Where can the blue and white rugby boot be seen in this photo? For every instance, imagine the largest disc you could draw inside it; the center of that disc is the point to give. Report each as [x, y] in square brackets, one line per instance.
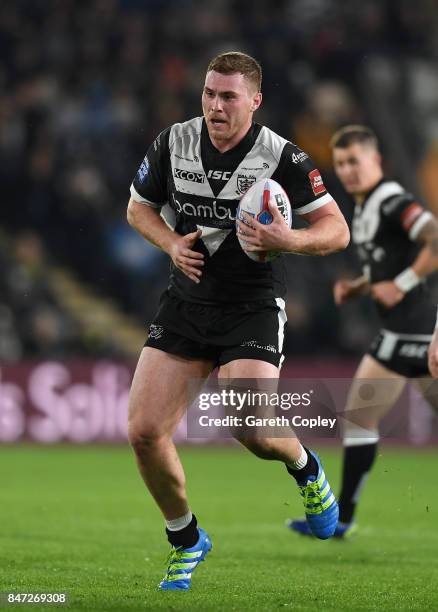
[343, 531]
[320, 505]
[181, 562]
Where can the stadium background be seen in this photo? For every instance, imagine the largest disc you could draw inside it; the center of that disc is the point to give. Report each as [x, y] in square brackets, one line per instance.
[84, 88]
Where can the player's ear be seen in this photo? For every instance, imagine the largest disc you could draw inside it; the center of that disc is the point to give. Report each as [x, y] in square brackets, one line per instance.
[256, 101]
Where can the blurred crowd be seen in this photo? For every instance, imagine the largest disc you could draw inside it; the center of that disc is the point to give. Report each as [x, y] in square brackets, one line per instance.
[85, 86]
[34, 322]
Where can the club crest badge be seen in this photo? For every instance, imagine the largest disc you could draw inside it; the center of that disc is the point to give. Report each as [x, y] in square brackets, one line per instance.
[244, 182]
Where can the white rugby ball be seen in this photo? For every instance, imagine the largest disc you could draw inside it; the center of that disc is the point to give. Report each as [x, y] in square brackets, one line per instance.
[255, 203]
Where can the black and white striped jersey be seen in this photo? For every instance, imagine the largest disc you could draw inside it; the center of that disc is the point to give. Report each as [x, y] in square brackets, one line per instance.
[385, 228]
[196, 186]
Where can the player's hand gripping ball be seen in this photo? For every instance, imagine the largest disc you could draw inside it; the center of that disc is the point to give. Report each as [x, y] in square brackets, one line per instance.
[255, 203]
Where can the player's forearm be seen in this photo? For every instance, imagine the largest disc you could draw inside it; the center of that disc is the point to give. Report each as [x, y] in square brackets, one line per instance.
[148, 222]
[327, 235]
[361, 284]
[427, 259]
[426, 262]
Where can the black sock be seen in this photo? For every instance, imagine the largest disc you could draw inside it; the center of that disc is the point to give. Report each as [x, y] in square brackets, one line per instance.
[186, 537]
[358, 461]
[310, 469]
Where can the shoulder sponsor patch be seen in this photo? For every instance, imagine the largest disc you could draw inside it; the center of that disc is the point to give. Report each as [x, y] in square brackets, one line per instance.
[316, 182]
[410, 215]
[299, 157]
[143, 171]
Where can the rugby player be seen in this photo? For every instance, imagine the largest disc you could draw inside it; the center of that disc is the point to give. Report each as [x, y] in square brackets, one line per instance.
[397, 244]
[221, 309]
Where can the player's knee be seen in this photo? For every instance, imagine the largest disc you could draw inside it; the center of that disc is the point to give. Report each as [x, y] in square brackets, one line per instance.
[142, 437]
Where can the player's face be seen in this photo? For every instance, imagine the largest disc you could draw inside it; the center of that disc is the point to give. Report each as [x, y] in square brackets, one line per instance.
[228, 102]
[358, 167]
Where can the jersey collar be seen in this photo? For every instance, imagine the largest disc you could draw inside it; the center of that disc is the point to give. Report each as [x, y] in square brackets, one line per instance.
[245, 144]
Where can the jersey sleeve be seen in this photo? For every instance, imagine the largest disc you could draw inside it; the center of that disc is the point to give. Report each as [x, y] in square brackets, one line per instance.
[301, 180]
[150, 183]
[407, 213]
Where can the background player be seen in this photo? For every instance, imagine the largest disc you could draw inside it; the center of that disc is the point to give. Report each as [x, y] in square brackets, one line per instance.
[396, 241]
[218, 300]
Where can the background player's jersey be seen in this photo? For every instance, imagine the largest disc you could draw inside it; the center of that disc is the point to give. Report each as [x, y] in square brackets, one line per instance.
[201, 187]
[385, 228]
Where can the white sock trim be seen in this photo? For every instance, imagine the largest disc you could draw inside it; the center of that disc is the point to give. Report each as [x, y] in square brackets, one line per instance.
[179, 523]
[355, 435]
[301, 462]
[370, 439]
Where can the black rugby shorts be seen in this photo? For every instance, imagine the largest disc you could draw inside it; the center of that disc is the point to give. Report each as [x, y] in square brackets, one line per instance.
[405, 354]
[220, 333]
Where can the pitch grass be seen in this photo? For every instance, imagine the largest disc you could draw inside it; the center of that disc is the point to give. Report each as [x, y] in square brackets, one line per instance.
[77, 519]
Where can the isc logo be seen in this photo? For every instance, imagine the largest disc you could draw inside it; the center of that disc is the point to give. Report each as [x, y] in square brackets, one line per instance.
[219, 175]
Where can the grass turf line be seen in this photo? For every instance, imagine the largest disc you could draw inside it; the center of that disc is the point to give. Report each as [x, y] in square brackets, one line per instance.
[77, 519]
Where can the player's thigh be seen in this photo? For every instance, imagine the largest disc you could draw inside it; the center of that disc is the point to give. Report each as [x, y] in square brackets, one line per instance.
[248, 368]
[373, 392]
[255, 376]
[160, 393]
[260, 377]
